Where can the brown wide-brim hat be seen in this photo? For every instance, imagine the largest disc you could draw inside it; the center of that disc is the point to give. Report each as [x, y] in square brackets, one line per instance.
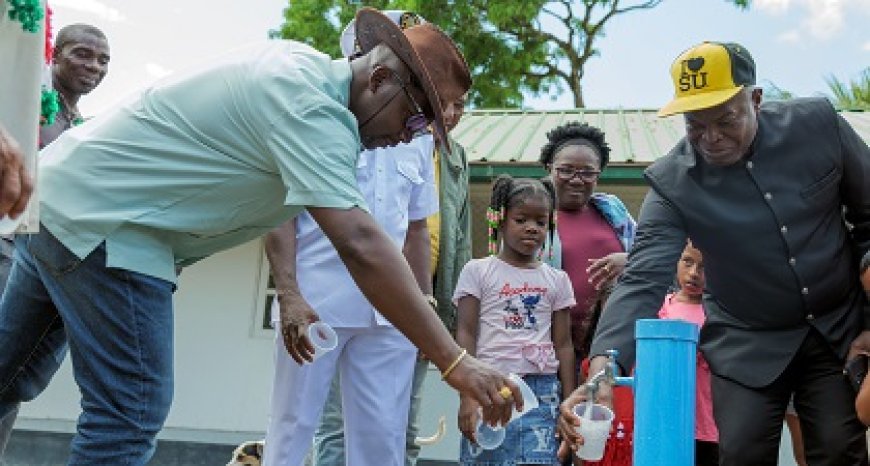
[430, 54]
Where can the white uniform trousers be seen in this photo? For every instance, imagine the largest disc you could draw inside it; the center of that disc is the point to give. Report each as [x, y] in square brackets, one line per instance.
[376, 366]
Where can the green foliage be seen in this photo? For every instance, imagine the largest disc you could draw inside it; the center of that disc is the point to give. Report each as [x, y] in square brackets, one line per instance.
[854, 95]
[513, 47]
[774, 92]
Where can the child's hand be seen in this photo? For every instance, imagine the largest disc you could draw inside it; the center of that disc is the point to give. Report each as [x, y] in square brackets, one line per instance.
[469, 413]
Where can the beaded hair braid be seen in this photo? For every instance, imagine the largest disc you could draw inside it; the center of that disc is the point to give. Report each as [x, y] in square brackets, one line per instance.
[507, 192]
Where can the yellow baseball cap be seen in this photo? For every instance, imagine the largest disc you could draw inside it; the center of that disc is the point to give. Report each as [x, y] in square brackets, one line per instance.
[707, 75]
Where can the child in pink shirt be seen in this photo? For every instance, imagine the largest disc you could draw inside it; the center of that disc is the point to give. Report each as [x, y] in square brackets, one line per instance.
[685, 304]
[513, 313]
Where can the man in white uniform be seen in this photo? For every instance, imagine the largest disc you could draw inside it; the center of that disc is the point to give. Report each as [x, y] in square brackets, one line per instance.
[374, 359]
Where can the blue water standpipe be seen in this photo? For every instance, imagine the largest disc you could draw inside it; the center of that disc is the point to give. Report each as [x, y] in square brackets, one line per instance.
[664, 391]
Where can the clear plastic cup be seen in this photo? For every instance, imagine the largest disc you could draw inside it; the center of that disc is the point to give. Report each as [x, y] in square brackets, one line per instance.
[489, 437]
[8, 224]
[595, 422]
[323, 338]
[530, 400]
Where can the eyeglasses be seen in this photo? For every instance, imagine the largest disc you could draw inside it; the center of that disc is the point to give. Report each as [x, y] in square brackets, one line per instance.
[568, 174]
[417, 123]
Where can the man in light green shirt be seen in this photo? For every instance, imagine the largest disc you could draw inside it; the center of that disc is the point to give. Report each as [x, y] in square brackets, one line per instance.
[198, 164]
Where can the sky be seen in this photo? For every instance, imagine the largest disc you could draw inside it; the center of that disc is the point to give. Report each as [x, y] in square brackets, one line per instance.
[796, 43]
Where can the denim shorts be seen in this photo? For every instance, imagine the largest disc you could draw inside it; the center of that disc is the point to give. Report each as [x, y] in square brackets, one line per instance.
[530, 439]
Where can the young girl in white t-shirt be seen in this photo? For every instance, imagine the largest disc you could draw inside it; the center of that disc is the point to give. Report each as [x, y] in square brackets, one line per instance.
[513, 314]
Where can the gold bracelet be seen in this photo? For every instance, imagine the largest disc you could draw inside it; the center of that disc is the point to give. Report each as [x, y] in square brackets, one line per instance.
[446, 372]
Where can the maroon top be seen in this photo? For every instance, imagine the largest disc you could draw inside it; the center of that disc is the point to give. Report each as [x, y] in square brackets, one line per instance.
[584, 235]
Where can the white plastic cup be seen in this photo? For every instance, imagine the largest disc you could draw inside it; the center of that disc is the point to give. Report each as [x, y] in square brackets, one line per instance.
[8, 224]
[530, 400]
[489, 437]
[323, 338]
[595, 428]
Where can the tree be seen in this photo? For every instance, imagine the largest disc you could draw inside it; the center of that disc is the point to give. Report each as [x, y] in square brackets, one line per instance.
[852, 96]
[512, 47]
[774, 92]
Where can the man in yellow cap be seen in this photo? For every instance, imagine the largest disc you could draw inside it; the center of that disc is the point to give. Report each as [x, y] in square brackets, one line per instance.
[762, 191]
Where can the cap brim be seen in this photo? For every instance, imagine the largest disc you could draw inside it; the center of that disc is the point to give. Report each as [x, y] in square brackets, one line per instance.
[698, 101]
[373, 28]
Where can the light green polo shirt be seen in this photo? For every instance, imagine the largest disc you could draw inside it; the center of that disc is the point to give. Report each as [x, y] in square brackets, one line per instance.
[206, 160]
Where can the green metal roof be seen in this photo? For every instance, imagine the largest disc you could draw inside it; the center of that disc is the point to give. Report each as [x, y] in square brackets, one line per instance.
[509, 141]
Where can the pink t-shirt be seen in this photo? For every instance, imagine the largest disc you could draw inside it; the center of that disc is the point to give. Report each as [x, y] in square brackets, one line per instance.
[705, 425]
[516, 312]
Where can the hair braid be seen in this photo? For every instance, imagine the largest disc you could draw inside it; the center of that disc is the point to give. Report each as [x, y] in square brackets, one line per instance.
[501, 188]
[547, 182]
[506, 192]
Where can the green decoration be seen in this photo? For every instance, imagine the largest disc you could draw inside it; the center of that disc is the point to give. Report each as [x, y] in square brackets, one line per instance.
[28, 12]
[50, 106]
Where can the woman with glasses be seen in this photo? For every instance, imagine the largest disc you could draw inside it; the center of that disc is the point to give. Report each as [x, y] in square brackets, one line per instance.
[594, 232]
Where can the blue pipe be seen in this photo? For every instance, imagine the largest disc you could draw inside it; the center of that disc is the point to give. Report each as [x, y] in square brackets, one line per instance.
[664, 392]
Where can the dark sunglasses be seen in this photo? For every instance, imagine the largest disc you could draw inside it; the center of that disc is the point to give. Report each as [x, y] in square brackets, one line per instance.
[417, 123]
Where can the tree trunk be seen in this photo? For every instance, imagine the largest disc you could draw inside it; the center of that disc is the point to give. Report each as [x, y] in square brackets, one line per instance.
[578, 98]
[577, 89]
[576, 83]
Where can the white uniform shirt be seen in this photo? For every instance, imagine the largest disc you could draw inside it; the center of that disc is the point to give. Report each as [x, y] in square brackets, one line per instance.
[399, 187]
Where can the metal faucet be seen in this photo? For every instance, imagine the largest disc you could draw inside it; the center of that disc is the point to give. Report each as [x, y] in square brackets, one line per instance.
[606, 375]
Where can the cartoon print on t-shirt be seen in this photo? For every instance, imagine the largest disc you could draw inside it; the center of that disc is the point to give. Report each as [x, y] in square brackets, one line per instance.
[512, 318]
[530, 302]
[529, 296]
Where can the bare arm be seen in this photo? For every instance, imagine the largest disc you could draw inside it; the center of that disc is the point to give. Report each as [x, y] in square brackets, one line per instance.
[15, 184]
[385, 279]
[295, 312]
[561, 335]
[418, 254]
[467, 321]
[862, 402]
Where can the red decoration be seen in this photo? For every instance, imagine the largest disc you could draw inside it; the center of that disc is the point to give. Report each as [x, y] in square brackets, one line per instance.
[618, 449]
[49, 44]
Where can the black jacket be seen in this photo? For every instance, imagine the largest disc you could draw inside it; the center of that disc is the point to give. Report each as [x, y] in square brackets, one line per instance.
[778, 255]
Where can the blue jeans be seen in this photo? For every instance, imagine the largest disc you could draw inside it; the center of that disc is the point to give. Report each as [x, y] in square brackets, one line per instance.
[7, 249]
[530, 439]
[329, 437]
[118, 326]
